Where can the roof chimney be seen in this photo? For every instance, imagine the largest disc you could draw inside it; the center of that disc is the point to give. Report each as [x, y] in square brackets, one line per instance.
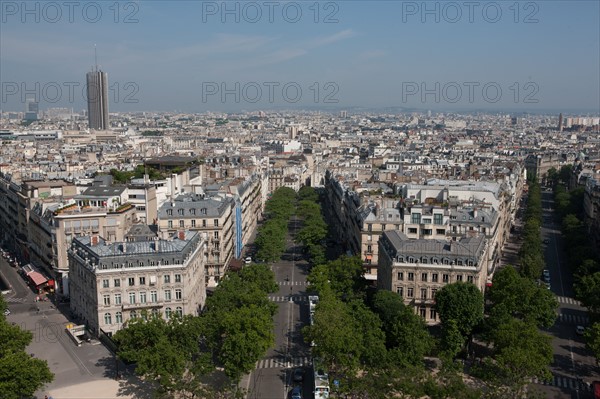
[94, 240]
[181, 235]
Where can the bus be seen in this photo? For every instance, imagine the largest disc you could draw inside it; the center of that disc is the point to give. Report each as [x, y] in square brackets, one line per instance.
[321, 384]
[313, 300]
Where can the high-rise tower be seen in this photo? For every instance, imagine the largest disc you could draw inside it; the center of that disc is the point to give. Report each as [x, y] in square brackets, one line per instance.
[97, 98]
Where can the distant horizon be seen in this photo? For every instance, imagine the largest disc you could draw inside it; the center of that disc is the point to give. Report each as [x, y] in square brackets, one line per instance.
[229, 56]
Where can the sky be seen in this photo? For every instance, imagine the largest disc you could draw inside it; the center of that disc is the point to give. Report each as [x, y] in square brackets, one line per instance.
[198, 56]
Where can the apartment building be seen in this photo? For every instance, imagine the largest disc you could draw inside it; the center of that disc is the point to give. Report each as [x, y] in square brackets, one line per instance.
[213, 216]
[417, 268]
[112, 283]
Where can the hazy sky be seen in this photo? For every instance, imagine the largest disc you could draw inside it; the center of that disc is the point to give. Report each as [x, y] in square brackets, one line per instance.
[196, 56]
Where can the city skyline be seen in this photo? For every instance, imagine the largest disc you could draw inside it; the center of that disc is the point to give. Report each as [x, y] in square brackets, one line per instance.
[203, 56]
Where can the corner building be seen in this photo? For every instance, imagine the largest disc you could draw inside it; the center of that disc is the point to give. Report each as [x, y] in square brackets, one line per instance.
[112, 283]
[417, 268]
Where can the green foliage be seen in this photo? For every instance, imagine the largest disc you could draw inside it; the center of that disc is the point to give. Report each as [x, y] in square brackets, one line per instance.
[592, 340]
[521, 352]
[452, 342]
[462, 302]
[308, 193]
[565, 173]
[152, 133]
[407, 338]
[531, 257]
[588, 291]
[124, 177]
[271, 239]
[344, 276]
[20, 374]
[512, 295]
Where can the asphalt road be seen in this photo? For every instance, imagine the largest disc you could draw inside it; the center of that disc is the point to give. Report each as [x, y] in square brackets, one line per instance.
[272, 378]
[574, 367]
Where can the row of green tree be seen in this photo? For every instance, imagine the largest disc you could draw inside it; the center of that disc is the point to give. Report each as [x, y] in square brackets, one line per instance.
[531, 257]
[20, 374]
[583, 257]
[376, 345]
[205, 356]
[314, 229]
[271, 239]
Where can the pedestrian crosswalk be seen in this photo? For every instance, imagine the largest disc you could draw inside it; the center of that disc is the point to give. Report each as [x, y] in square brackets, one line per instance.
[14, 300]
[286, 298]
[292, 283]
[282, 362]
[573, 319]
[568, 301]
[566, 383]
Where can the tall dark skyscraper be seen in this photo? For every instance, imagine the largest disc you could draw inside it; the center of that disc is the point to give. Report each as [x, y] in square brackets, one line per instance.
[97, 99]
[560, 122]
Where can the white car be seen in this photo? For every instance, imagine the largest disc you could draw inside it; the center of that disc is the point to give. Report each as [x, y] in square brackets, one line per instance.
[6, 312]
[580, 330]
[248, 260]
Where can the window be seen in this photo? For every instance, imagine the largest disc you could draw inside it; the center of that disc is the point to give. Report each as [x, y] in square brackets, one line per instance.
[427, 232]
[168, 313]
[411, 276]
[438, 218]
[423, 276]
[153, 296]
[445, 278]
[216, 235]
[133, 314]
[179, 311]
[440, 231]
[180, 211]
[432, 314]
[415, 218]
[117, 282]
[193, 222]
[132, 297]
[167, 295]
[433, 292]
[369, 237]
[105, 283]
[131, 281]
[423, 293]
[400, 276]
[170, 212]
[118, 317]
[178, 294]
[142, 280]
[170, 224]
[427, 221]
[142, 297]
[383, 226]
[203, 211]
[423, 312]
[400, 291]
[459, 277]
[167, 278]
[204, 223]
[178, 278]
[470, 279]
[181, 223]
[412, 230]
[107, 318]
[409, 293]
[216, 222]
[369, 248]
[106, 300]
[434, 277]
[154, 313]
[369, 227]
[117, 299]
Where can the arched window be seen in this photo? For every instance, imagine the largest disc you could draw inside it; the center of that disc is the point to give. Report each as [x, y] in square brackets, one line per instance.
[107, 318]
[179, 311]
[118, 317]
[168, 312]
[154, 312]
[133, 314]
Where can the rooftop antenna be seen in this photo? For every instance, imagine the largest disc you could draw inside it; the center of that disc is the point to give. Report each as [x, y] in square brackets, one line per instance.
[96, 58]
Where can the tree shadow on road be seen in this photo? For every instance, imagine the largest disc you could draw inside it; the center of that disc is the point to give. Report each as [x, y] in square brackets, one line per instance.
[129, 384]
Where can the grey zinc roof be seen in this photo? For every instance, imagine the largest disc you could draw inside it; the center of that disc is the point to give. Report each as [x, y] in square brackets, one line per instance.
[401, 245]
[102, 191]
[214, 207]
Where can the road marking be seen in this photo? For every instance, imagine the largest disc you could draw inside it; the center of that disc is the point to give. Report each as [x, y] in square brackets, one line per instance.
[281, 362]
[295, 298]
[15, 300]
[567, 300]
[573, 319]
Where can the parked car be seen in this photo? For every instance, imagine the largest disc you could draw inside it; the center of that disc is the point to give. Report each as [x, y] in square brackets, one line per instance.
[6, 312]
[248, 260]
[298, 375]
[296, 393]
[580, 330]
[546, 241]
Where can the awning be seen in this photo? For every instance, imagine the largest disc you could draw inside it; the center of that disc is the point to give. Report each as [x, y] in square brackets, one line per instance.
[37, 278]
[368, 257]
[50, 283]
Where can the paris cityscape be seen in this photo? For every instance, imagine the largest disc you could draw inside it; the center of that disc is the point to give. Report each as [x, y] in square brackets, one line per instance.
[300, 200]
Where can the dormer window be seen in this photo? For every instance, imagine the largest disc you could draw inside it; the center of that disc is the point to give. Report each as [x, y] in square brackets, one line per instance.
[170, 212]
[193, 211]
[203, 210]
[180, 211]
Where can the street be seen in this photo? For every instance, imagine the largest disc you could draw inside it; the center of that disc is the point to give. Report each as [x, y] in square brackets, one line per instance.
[272, 378]
[574, 367]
